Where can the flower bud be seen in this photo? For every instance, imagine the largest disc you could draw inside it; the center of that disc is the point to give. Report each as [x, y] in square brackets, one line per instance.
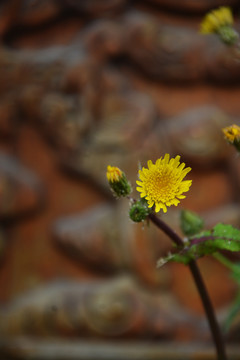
[220, 22]
[139, 211]
[118, 181]
[190, 222]
[232, 135]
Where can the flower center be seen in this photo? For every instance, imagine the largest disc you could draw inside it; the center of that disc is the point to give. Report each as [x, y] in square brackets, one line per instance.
[161, 186]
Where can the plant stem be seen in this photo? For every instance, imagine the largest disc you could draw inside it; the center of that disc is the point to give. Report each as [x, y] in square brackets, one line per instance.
[213, 324]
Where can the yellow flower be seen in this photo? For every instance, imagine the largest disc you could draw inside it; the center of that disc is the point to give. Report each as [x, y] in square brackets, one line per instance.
[216, 19]
[232, 133]
[114, 174]
[162, 183]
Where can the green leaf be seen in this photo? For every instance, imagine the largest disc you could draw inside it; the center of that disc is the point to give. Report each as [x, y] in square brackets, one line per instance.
[221, 237]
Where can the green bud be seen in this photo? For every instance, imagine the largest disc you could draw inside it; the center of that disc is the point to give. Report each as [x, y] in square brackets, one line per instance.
[139, 211]
[122, 187]
[190, 222]
[228, 35]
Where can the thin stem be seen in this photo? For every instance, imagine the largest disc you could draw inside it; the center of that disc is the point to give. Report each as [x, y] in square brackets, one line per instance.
[213, 324]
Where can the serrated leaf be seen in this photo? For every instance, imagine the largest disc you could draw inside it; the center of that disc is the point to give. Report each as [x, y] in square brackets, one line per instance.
[221, 237]
[230, 234]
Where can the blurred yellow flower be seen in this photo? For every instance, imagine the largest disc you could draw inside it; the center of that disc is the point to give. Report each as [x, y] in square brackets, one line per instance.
[215, 19]
[162, 183]
[232, 133]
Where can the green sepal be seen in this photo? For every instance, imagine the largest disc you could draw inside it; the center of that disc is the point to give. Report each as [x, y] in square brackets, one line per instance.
[236, 143]
[227, 34]
[122, 187]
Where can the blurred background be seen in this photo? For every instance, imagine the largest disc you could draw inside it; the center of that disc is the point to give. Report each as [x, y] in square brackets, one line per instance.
[85, 84]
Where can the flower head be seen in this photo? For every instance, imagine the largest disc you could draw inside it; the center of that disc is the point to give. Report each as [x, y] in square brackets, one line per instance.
[215, 19]
[220, 21]
[232, 135]
[118, 181]
[162, 183]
